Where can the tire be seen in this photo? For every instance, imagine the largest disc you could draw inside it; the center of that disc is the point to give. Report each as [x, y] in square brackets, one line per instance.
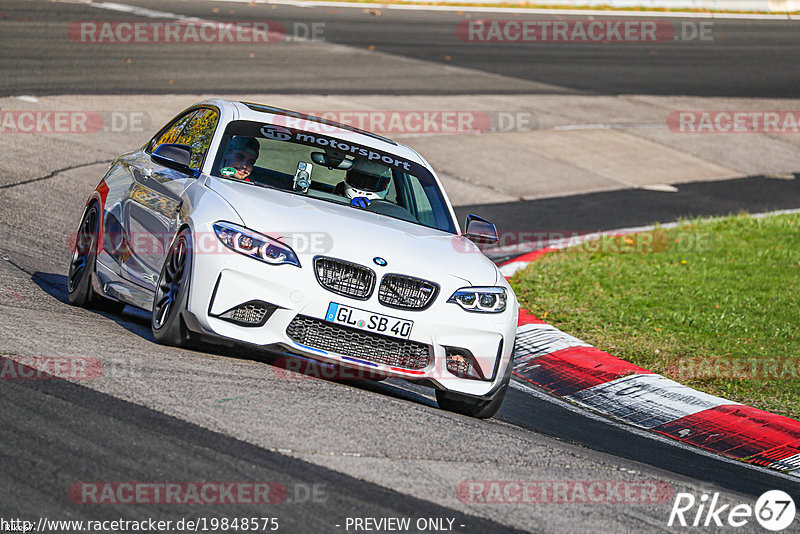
[172, 294]
[471, 406]
[82, 265]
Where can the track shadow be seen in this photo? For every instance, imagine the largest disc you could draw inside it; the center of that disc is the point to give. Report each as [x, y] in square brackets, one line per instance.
[132, 319]
[53, 284]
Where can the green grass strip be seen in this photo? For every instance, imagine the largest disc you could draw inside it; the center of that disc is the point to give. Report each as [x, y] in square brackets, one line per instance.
[711, 304]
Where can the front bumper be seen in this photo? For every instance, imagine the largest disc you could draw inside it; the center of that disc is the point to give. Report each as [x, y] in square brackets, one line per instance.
[223, 281]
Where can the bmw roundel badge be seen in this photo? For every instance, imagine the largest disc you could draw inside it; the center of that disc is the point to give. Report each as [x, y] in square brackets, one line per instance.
[379, 261]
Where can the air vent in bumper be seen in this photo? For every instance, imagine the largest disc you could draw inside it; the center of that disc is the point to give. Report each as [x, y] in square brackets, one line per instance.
[251, 313]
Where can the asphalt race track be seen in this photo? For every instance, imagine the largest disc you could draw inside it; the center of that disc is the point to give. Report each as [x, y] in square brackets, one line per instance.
[746, 57]
[636, 207]
[353, 449]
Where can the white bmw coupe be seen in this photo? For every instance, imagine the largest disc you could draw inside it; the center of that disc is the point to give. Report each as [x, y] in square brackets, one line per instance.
[253, 224]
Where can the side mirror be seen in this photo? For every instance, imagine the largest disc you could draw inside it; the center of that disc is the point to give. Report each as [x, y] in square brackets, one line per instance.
[480, 230]
[174, 156]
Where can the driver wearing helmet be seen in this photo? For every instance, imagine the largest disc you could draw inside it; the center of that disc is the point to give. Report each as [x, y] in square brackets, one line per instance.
[241, 155]
[365, 179]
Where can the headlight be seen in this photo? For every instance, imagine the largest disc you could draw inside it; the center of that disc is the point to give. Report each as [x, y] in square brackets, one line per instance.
[255, 245]
[480, 299]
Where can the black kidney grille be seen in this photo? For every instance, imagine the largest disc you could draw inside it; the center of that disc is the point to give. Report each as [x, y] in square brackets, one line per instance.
[406, 292]
[356, 343]
[344, 278]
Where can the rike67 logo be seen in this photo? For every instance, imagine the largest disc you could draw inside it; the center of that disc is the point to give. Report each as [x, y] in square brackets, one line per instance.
[774, 510]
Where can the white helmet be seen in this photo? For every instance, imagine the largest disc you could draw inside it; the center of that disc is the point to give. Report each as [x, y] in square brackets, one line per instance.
[367, 179]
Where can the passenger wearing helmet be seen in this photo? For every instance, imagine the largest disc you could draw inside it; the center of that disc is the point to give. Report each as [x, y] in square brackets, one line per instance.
[241, 155]
[366, 179]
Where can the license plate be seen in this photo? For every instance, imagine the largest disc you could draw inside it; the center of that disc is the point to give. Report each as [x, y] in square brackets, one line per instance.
[369, 321]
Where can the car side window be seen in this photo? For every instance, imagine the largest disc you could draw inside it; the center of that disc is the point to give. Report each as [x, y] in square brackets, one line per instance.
[198, 133]
[172, 133]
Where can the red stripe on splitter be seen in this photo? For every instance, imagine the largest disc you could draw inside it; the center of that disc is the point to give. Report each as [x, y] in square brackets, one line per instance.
[409, 371]
[568, 371]
[733, 430]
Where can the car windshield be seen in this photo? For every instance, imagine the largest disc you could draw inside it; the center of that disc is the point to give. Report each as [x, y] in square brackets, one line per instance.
[327, 168]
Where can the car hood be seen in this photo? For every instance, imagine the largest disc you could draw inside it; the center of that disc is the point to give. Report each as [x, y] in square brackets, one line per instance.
[314, 227]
